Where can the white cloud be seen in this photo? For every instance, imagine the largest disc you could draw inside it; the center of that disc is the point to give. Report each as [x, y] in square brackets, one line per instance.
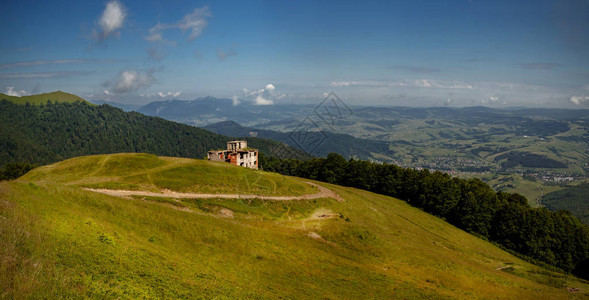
[131, 80]
[260, 100]
[422, 83]
[195, 22]
[235, 101]
[169, 94]
[106, 92]
[11, 92]
[265, 96]
[580, 100]
[112, 20]
[155, 33]
[490, 100]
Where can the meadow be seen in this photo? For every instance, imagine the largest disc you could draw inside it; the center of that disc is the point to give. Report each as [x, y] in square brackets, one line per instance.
[58, 240]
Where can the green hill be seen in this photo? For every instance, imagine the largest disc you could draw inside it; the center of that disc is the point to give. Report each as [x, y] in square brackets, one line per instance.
[59, 240]
[41, 134]
[58, 96]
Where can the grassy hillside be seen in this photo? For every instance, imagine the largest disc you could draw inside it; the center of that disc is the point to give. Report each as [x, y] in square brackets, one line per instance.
[148, 172]
[42, 134]
[58, 96]
[58, 240]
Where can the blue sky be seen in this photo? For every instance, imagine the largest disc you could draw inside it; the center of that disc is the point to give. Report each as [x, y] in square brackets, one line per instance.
[416, 53]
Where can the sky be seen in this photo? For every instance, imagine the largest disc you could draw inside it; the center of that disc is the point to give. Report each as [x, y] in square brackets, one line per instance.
[394, 53]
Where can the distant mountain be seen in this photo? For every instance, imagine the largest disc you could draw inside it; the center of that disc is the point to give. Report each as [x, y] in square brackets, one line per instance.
[210, 110]
[123, 106]
[326, 142]
[58, 96]
[41, 134]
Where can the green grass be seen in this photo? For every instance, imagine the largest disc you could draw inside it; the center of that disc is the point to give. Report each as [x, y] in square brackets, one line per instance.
[58, 240]
[38, 99]
[149, 172]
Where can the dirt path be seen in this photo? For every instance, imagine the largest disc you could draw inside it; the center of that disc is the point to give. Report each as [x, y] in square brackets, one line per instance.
[323, 193]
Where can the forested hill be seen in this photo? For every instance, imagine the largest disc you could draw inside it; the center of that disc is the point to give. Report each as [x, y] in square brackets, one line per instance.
[51, 132]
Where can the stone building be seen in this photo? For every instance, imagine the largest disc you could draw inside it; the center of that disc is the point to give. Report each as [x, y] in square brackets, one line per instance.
[237, 153]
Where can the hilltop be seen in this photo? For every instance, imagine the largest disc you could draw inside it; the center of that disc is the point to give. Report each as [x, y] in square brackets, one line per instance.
[56, 97]
[58, 239]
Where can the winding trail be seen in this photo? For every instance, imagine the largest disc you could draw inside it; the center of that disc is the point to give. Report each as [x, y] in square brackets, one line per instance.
[323, 193]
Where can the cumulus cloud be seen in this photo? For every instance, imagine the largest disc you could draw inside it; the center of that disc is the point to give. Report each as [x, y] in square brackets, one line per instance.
[194, 23]
[260, 100]
[169, 94]
[579, 100]
[111, 20]
[10, 91]
[129, 81]
[223, 55]
[264, 96]
[490, 100]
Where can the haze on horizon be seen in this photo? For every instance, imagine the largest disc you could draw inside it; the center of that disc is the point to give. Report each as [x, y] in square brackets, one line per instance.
[398, 53]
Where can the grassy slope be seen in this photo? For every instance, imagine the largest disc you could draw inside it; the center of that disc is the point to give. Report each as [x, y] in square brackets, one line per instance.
[38, 99]
[151, 173]
[59, 240]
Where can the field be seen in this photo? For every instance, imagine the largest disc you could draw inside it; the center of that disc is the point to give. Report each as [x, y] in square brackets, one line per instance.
[59, 240]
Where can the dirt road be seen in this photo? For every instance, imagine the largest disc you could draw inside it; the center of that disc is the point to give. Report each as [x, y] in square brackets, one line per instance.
[323, 193]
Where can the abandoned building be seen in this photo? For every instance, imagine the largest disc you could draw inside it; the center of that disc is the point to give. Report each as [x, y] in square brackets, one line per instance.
[237, 153]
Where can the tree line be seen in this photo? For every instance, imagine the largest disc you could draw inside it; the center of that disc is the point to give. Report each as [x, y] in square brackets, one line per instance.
[556, 238]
